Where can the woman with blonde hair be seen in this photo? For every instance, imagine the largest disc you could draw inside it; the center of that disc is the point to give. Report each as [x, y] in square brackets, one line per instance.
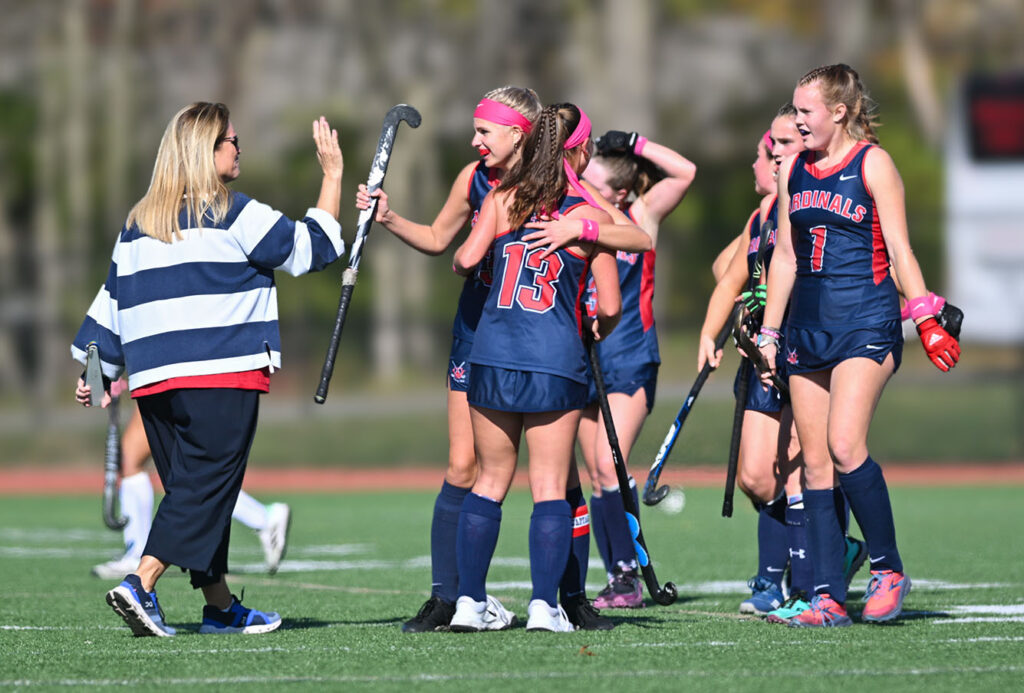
[842, 240]
[189, 312]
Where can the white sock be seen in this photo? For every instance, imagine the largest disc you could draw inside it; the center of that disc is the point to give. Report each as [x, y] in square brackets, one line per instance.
[250, 512]
[136, 497]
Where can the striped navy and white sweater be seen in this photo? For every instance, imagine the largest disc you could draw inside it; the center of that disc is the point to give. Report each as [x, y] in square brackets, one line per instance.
[204, 304]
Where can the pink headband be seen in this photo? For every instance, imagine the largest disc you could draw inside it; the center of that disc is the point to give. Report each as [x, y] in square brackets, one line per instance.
[767, 139]
[499, 113]
[578, 137]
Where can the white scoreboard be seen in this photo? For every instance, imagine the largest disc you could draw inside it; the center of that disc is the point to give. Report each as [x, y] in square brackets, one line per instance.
[985, 208]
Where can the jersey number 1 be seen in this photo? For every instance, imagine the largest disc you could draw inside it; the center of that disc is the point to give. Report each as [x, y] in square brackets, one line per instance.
[818, 234]
[537, 296]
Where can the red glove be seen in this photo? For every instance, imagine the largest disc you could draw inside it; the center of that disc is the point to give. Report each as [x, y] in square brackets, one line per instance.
[942, 349]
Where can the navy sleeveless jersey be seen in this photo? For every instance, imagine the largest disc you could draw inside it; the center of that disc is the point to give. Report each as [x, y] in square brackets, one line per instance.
[634, 340]
[754, 228]
[474, 290]
[532, 319]
[842, 264]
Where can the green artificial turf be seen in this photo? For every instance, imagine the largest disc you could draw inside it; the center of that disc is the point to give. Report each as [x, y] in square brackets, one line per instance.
[358, 565]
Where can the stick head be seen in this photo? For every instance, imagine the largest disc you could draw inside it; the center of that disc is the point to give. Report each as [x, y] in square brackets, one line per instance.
[653, 496]
[403, 111]
[667, 595]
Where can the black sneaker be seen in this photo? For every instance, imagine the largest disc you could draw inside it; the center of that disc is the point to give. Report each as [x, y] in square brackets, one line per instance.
[435, 614]
[584, 615]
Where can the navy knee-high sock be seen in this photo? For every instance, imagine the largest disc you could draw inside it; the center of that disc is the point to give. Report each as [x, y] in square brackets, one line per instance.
[825, 541]
[600, 529]
[477, 536]
[801, 572]
[623, 555]
[842, 510]
[443, 563]
[772, 540]
[550, 539]
[574, 580]
[869, 499]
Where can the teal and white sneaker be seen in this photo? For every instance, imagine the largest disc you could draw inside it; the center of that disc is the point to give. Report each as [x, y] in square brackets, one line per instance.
[139, 608]
[856, 554]
[796, 604]
[237, 619]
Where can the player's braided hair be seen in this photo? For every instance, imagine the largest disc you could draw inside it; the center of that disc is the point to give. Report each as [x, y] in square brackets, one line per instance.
[840, 84]
[538, 178]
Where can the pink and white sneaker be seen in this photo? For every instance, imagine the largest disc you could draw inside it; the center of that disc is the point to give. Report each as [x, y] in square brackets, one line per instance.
[624, 592]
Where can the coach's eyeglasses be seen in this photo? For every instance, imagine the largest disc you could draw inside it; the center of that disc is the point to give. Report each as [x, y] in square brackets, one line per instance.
[233, 140]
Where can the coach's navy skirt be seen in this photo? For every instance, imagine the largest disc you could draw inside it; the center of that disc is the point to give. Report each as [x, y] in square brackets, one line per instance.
[200, 440]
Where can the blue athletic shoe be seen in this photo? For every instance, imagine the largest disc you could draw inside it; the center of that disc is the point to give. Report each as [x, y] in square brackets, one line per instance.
[765, 596]
[237, 619]
[139, 608]
[856, 554]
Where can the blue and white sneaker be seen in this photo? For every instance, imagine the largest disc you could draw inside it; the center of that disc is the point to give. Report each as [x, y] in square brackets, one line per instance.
[765, 596]
[237, 619]
[139, 608]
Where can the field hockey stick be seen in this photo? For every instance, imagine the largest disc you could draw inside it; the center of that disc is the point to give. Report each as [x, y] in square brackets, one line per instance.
[663, 595]
[743, 387]
[112, 456]
[749, 348]
[378, 168]
[654, 494]
[734, 442]
[112, 467]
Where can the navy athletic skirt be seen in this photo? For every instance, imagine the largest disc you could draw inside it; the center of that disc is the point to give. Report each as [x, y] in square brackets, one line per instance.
[524, 391]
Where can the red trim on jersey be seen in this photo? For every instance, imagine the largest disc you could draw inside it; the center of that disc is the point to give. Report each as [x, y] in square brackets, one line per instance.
[831, 170]
[647, 291]
[492, 179]
[258, 380]
[864, 178]
[750, 220]
[879, 251]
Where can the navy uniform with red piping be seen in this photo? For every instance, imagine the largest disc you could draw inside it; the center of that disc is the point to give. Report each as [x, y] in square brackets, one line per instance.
[474, 290]
[528, 354]
[629, 355]
[844, 302]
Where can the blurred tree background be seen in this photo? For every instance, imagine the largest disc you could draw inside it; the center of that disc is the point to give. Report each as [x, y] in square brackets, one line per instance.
[87, 86]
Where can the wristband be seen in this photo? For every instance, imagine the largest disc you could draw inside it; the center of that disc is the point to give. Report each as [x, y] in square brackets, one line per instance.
[920, 307]
[771, 332]
[937, 302]
[590, 231]
[763, 339]
[638, 148]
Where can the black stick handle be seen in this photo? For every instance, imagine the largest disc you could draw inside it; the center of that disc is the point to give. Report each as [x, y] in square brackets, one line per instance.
[112, 468]
[654, 494]
[348, 283]
[734, 443]
[663, 595]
